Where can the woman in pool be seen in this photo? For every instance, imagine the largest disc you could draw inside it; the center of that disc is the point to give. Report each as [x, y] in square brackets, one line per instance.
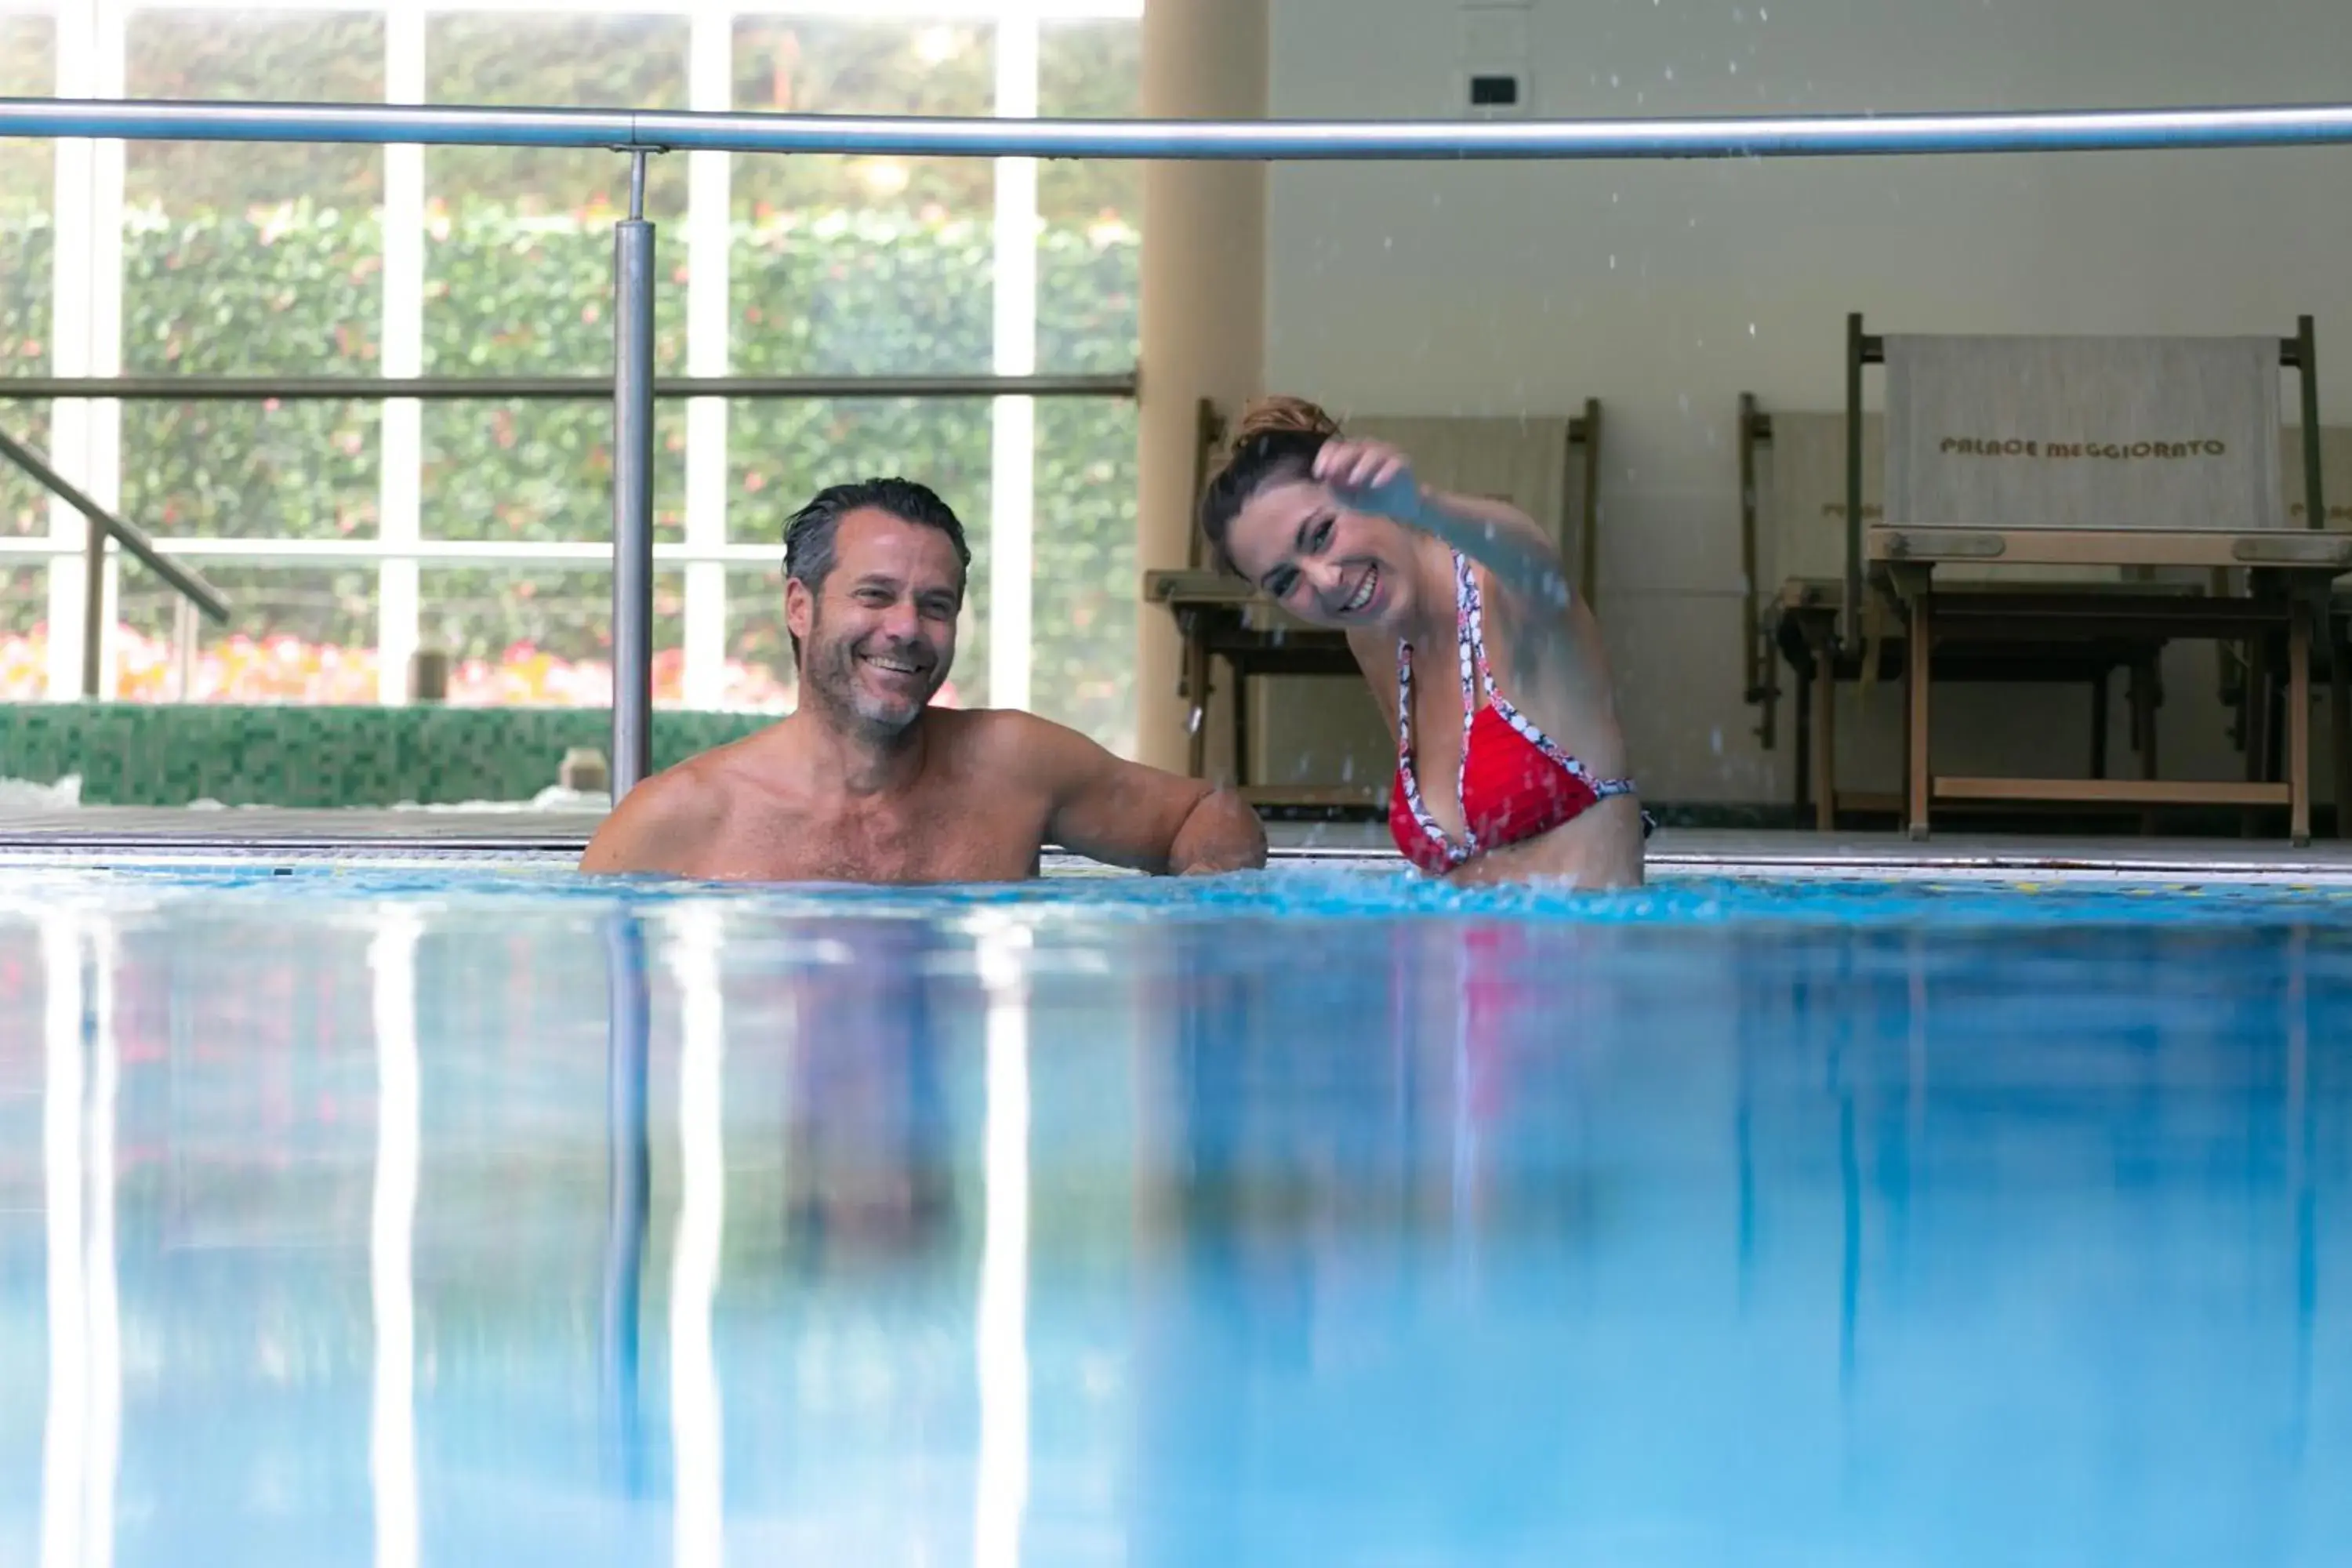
[1510, 762]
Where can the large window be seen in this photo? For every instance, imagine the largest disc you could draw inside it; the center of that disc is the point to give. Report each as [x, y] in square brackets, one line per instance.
[348, 536]
[29, 64]
[250, 260]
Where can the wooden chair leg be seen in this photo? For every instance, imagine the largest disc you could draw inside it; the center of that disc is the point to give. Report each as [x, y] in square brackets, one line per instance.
[1825, 738]
[2256, 706]
[2340, 703]
[1802, 758]
[2298, 722]
[1240, 731]
[1917, 667]
[1196, 689]
[2099, 723]
[2143, 701]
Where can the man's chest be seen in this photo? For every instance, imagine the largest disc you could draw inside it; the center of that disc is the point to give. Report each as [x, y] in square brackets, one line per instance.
[931, 839]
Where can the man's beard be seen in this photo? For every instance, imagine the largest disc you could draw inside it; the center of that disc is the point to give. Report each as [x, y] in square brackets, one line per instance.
[836, 675]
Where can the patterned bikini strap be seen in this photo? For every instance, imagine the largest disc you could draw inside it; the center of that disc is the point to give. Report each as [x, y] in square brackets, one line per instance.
[1469, 649]
[1471, 624]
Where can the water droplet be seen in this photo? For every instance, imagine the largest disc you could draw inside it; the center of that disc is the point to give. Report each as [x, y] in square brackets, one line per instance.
[1613, 79]
[1612, 264]
[1670, 73]
[1348, 769]
[1751, 329]
[1192, 724]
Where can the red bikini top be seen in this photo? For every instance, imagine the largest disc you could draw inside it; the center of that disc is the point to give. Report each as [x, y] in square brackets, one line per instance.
[1515, 783]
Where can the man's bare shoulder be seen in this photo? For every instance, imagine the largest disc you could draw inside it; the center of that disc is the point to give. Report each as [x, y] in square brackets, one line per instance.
[696, 790]
[668, 820]
[1008, 748]
[1008, 743]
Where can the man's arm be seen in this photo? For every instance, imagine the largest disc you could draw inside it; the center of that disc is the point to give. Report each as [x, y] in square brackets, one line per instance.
[661, 825]
[1124, 814]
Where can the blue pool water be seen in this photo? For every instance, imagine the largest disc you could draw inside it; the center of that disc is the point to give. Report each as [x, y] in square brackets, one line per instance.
[1317, 1218]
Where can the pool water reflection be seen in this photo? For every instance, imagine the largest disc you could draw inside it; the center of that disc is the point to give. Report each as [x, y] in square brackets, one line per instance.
[445, 1219]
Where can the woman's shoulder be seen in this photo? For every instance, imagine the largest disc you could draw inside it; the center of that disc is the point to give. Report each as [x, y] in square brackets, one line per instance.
[1526, 640]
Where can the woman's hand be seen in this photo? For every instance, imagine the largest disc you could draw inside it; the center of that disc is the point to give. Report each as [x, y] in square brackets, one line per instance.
[1374, 477]
[1371, 477]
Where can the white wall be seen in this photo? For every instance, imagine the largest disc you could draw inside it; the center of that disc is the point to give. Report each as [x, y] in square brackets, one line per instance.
[1665, 290]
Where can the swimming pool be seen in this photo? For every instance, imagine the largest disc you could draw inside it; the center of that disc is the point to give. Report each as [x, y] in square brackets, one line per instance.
[440, 1217]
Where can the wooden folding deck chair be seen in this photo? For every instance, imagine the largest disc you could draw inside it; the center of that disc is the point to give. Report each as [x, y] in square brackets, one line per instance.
[1793, 549]
[2261, 714]
[1531, 461]
[2089, 457]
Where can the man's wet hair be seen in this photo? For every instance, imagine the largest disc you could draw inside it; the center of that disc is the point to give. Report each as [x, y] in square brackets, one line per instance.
[809, 536]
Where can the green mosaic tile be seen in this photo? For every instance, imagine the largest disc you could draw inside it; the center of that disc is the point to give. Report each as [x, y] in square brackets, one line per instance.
[167, 755]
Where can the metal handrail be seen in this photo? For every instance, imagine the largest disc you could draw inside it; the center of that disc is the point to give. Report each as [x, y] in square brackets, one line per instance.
[547, 388]
[452, 554]
[103, 523]
[1845, 135]
[131, 538]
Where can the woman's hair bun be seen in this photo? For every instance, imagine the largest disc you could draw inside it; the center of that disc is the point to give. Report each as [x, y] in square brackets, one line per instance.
[1283, 415]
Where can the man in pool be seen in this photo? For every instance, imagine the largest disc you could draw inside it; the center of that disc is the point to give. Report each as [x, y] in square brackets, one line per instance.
[867, 782]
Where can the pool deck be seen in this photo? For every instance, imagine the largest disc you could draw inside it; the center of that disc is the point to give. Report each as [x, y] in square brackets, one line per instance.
[97, 835]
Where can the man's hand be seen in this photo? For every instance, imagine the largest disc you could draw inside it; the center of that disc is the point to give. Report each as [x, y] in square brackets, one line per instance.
[1222, 834]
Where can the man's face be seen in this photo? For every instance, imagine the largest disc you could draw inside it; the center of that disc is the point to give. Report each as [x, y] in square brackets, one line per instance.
[877, 641]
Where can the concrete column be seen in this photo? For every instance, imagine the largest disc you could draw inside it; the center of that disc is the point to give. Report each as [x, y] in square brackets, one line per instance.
[1203, 308]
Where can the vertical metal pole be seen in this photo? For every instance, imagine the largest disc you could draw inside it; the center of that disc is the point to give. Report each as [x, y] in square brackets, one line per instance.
[93, 608]
[633, 488]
